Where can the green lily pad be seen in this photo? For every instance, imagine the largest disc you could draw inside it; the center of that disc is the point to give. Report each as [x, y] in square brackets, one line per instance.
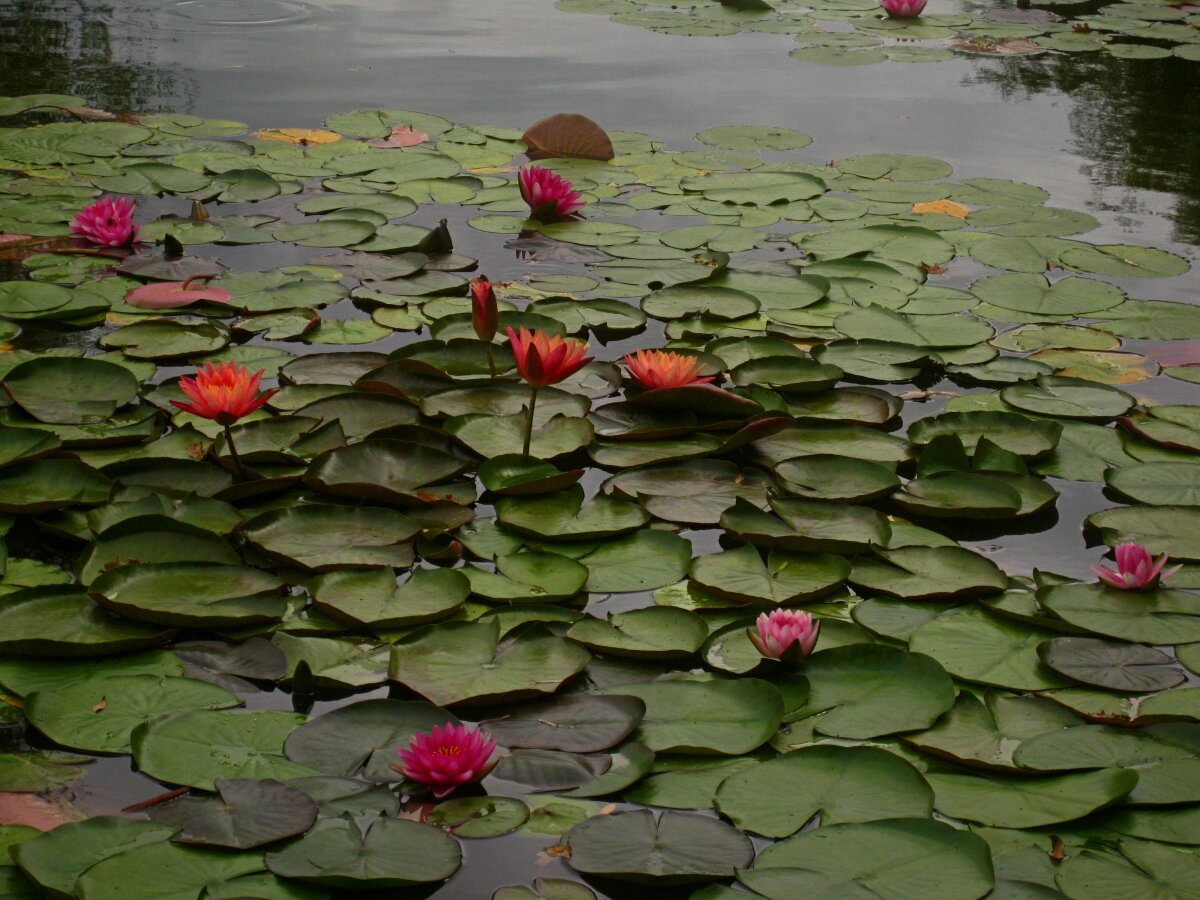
[70, 390]
[842, 784]
[928, 573]
[98, 715]
[725, 718]
[902, 857]
[675, 848]
[249, 813]
[578, 723]
[61, 620]
[197, 747]
[373, 853]
[1160, 616]
[1008, 802]
[785, 578]
[659, 632]
[373, 596]
[468, 663]
[300, 536]
[191, 594]
[867, 690]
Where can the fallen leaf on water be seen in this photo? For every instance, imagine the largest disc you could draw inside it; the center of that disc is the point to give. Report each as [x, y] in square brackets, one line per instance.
[942, 207]
[402, 136]
[559, 851]
[568, 134]
[933, 268]
[298, 135]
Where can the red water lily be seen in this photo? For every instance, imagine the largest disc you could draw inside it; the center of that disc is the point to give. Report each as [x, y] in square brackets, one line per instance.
[447, 758]
[107, 223]
[655, 369]
[544, 360]
[549, 195]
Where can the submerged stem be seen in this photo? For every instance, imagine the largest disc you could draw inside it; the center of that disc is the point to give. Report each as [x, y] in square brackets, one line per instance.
[529, 423]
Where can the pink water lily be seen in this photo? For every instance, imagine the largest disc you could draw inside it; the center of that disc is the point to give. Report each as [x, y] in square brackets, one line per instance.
[174, 294]
[107, 223]
[447, 758]
[1136, 569]
[903, 9]
[550, 196]
[785, 634]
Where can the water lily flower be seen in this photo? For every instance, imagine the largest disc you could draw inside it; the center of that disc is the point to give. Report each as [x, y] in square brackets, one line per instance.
[903, 9]
[447, 758]
[550, 196]
[542, 361]
[107, 223]
[224, 393]
[655, 369]
[1136, 569]
[785, 634]
[173, 294]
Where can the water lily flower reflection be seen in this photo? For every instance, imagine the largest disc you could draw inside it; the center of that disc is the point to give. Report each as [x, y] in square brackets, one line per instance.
[903, 9]
[1136, 569]
[655, 369]
[107, 223]
[785, 634]
[223, 392]
[447, 758]
[550, 196]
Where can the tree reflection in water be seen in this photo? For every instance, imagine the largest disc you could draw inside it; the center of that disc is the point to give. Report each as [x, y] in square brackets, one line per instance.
[71, 47]
[1138, 120]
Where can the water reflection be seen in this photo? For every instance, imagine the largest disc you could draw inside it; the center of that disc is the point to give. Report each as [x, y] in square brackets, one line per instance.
[1139, 121]
[69, 47]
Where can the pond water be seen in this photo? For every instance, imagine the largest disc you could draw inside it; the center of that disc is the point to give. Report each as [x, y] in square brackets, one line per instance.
[1116, 138]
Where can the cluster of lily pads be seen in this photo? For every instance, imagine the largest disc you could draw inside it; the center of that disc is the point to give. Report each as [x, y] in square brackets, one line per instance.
[587, 603]
[1141, 29]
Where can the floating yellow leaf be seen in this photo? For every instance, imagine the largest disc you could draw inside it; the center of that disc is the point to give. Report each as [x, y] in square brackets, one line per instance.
[299, 135]
[943, 207]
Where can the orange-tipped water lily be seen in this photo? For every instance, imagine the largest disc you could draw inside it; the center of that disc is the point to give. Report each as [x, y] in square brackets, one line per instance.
[655, 369]
[224, 392]
[544, 360]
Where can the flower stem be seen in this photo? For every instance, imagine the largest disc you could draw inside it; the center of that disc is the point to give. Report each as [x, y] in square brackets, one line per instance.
[529, 424]
[491, 360]
[237, 461]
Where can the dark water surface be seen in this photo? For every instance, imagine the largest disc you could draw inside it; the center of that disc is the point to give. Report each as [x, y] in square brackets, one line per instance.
[1117, 138]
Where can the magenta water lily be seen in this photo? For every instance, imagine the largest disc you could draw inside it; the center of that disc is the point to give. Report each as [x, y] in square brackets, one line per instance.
[449, 757]
[549, 195]
[785, 634]
[1136, 569]
[903, 9]
[107, 223]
